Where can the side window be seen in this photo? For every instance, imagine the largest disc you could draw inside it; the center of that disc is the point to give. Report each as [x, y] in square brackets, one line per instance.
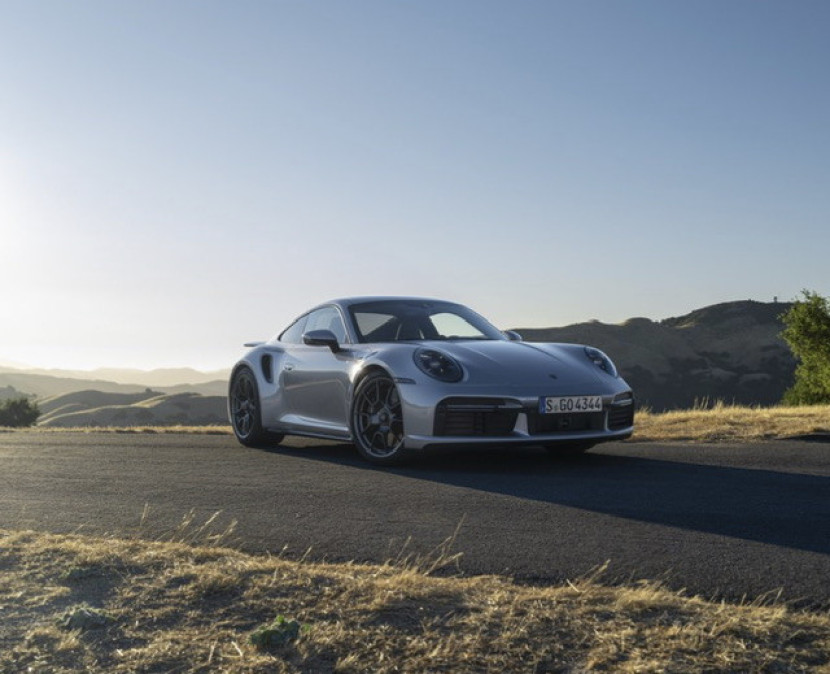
[327, 318]
[294, 333]
[374, 327]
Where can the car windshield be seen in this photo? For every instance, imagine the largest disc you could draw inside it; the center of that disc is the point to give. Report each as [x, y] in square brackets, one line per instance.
[417, 320]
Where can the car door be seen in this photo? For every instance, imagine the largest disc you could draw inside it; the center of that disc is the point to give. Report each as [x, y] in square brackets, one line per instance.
[316, 380]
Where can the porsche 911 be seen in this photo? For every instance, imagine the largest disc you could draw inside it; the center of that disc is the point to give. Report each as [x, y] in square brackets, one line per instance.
[398, 375]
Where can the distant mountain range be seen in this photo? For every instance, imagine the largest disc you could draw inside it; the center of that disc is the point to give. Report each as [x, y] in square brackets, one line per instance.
[160, 378]
[731, 352]
[45, 383]
[127, 398]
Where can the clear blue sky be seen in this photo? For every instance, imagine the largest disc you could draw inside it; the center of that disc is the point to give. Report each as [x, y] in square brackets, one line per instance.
[177, 177]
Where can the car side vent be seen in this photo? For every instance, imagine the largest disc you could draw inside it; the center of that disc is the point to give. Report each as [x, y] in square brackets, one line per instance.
[267, 364]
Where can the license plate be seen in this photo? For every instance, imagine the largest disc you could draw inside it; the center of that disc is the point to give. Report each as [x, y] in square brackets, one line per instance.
[570, 404]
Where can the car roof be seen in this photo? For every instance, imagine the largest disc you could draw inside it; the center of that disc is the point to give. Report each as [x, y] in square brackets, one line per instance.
[345, 302]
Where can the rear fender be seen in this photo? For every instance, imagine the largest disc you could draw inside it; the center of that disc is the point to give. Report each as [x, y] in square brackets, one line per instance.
[266, 362]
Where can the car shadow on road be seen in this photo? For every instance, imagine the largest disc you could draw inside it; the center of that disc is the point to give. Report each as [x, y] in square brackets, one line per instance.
[786, 509]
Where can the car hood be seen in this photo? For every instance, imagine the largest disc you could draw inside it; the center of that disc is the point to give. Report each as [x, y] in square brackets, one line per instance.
[520, 363]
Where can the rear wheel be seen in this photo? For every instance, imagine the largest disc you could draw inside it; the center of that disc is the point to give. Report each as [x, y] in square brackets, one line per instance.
[245, 412]
[568, 448]
[377, 420]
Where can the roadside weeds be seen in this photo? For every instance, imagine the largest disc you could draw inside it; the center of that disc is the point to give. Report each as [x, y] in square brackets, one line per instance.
[171, 606]
[732, 423]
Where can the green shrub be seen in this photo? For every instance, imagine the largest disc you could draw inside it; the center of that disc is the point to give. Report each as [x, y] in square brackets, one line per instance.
[807, 331]
[18, 412]
[280, 632]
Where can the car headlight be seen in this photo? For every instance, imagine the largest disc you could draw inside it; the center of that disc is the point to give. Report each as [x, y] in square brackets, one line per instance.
[602, 361]
[438, 365]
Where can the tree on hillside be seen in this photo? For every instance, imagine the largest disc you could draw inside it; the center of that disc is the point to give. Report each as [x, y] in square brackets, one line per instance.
[18, 412]
[807, 331]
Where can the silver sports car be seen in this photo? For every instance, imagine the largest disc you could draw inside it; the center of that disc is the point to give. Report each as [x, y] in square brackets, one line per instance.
[395, 375]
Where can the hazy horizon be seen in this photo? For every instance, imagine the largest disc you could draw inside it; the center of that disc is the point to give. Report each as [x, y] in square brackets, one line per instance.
[179, 178]
[9, 364]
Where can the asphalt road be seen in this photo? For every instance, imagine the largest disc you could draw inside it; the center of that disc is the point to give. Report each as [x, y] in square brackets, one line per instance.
[721, 521]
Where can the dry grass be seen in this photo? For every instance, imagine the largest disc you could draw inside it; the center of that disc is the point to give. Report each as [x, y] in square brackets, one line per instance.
[731, 423]
[218, 429]
[178, 608]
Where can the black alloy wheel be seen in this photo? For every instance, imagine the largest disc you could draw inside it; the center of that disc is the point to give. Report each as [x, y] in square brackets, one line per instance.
[245, 412]
[377, 420]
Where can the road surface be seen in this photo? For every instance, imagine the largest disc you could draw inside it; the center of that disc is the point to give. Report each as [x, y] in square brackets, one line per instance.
[719, 520]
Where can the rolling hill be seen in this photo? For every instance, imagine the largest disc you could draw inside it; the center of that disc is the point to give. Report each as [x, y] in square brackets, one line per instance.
[731, 352]
[76, 401]
[94, 408]
[33, 382]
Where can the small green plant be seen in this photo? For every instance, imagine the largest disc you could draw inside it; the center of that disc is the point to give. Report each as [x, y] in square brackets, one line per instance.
[280, 632]
[18, 412]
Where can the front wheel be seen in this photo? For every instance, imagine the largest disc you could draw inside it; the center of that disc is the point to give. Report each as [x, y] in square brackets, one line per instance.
[245, 412]
[377, 420]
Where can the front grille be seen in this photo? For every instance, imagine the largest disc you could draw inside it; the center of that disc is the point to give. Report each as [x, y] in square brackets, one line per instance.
[620, 417]
[564, 423]
[477, 417]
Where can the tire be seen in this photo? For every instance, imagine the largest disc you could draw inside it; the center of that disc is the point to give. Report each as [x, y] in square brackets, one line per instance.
[377, 421]
[568, 449]
[246, 413]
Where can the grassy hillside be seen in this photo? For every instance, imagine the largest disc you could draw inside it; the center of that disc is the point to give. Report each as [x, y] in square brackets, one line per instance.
[48, 385]
[730, 352]
[7, 392]
[149, 408]
[84, 400]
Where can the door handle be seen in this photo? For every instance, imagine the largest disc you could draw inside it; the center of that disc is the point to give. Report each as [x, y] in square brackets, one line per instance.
[289, 367]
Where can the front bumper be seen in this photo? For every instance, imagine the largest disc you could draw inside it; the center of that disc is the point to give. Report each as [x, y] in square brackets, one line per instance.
[486, 421]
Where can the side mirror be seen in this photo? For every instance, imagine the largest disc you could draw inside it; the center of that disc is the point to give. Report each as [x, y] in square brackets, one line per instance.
[513, 336]
[321, 338]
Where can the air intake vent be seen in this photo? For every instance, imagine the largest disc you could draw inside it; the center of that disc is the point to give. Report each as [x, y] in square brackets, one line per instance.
[267, 364]
[475, 417]
[620, 417]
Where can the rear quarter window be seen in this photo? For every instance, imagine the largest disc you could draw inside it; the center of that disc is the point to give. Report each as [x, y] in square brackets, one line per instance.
[293, 334]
